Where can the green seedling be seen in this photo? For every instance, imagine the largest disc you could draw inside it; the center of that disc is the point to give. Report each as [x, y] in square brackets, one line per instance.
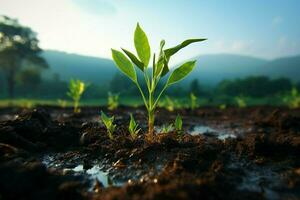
[193, 99]
[112, 101]
[62, 103]
[76, 89]
[159, 70]
[241, 102]
[109, 124]
[28, 104]
[222, 106]
[167, 128]
[292, 99]
[169, 104]
[178, 126]
[133, 128]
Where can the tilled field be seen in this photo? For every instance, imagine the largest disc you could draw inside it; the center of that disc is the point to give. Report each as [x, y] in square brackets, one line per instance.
[50, 153]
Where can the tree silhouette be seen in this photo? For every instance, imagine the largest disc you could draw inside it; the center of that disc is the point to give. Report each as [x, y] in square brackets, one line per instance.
[18, 48]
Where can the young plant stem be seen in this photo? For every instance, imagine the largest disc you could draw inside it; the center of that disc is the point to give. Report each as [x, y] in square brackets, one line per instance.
[76, 104]
[151, 111]
[151, 123]
[144, 98]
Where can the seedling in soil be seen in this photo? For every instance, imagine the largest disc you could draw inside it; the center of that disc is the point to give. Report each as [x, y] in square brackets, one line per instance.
[160, 69]
[112, 101]
[178, 126]
[133, 128]
[292, 99]
[169, 104]
[109, 124]
[222, 106]
[193, 99]
[28, 104]
[167, 128]
[76, 89]
[62, 103]
[241, 102]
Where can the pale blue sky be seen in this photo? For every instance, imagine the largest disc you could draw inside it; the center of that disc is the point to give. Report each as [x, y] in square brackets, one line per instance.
[266, 29]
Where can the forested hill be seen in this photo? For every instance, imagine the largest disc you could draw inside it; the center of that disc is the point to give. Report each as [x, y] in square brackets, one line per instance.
[210, 69]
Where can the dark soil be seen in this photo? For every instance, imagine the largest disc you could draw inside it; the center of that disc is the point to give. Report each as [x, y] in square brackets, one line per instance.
[50, 153]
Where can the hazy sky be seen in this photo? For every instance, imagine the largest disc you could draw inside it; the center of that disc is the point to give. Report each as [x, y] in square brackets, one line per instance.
[267, 29]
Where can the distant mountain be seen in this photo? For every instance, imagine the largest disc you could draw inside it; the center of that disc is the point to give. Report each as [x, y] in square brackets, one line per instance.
[214, 68]
[90, 69]
[287, 67]
[210, 69]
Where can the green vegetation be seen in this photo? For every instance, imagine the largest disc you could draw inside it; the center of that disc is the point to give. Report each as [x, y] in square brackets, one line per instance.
[133, 128]
[48, 91]
[222, 106]
[241, 102]
[292, 99]
[20, 58]
[112, 101]
[109, 124]
[193, 99]
[160, 69]
[178, 126]
[169, 104]
[167, 128]
[180, 101]
[258, 87]
[76, 89]
[62, 103]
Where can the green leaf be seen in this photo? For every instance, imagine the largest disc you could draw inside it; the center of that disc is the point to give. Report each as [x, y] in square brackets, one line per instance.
[132, 123]
[171, 51]
[166, 68]
[181, 72]
[142, 46]
[178, 123]
[161, 60]
[133, 127]
[134, 59]
[153, 65]
[106, 120]
[124, 64]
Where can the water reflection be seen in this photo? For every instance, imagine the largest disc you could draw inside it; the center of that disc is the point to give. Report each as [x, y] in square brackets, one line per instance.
[95, 173]
[209, 131]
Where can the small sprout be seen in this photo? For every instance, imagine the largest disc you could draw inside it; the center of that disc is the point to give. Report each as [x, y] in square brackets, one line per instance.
[133, 128]
[109, 124]
[167, 128]
[169, 104]
[292, 99]
[112, 101]
[178, 126]
[76, 89]
[193, 99]
[241, 102]
[62, 103]
[222, 106]
[126, 62]
[28, 104]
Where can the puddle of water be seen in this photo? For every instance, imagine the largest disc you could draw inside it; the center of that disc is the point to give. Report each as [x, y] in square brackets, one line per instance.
[257, 178]
[7, 117]
[260, 181]
[201, 129]
[95, 173]
[92, 174]
[209, 131]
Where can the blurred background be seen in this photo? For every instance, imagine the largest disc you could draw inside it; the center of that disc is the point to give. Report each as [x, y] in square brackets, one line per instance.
[251, 57]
